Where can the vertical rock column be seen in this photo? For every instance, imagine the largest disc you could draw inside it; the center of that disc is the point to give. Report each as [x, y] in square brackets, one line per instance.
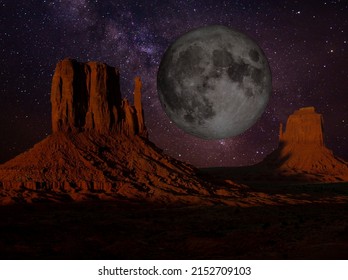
[68, 96]
[104, 97]
[139, 107]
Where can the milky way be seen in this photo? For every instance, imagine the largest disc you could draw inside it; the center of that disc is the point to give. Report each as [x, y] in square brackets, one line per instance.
[305, 43]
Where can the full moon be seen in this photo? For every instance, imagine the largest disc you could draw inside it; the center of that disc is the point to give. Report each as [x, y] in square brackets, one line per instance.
[214, 82]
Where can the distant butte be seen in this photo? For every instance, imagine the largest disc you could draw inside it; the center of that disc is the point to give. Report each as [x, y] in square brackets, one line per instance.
[300, 158]
[301, 154]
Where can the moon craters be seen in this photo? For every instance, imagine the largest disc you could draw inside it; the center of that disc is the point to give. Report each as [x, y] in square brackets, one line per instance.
[254, 55]
[214, 82]
[222, 58]
[188, 62]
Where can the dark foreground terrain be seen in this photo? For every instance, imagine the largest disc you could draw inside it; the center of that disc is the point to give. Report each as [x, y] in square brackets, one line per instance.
[123, 230]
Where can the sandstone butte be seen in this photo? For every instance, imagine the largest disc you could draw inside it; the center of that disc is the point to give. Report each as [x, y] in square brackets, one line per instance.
[99, 148]
[302, 154]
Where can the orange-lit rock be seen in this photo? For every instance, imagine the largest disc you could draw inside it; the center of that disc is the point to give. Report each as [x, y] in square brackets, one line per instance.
[98, 147]
[86, 96]
[104, 97]
[302, 150]
[139, 106]
[304, 127]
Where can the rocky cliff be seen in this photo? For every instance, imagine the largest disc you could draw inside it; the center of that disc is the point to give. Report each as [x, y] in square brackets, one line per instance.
[86, 96]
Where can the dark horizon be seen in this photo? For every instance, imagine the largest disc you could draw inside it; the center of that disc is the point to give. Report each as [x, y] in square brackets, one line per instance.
[305, 43]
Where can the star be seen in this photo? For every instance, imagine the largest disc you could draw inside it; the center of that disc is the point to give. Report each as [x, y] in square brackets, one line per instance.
[308, 53]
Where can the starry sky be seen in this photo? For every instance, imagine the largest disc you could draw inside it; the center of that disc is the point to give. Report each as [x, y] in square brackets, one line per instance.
[304, 41]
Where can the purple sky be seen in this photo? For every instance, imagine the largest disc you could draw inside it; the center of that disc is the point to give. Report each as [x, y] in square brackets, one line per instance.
[304, 41]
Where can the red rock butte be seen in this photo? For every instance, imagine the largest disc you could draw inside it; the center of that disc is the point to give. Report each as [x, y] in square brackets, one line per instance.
[98, 148]
[302, 150]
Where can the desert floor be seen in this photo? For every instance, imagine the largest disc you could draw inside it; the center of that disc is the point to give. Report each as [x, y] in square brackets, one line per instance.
[124, 230]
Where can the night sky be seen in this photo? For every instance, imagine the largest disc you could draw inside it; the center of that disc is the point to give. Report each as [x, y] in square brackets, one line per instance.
[304, 41]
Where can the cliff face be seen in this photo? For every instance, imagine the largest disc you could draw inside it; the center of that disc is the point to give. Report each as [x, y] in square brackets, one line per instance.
[302, 150]
[86, 96]
[303, 127]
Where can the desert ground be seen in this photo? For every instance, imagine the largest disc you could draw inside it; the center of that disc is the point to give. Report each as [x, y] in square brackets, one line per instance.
[137, 230]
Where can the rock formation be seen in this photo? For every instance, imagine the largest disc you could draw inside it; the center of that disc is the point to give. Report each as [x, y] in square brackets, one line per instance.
[98, 147]
[139, 107]
[304, 127]
[302, 150]
[86, 96]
